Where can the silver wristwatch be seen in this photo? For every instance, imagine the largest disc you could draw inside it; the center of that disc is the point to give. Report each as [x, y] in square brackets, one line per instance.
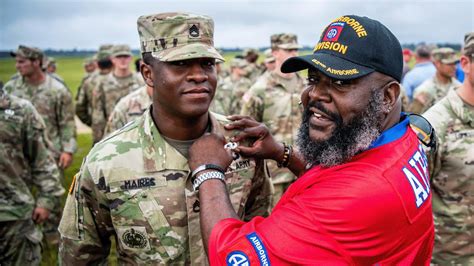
[206, 176]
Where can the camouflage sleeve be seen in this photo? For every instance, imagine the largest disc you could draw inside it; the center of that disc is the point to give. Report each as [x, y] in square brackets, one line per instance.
[86, 225]
[67, 125]
[82, 103]
[45, 174]
[99, 118]
[252, 104]
[260, 197]
[117, 120]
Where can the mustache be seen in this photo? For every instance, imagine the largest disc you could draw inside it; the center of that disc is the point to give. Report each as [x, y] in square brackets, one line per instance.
[318, 105]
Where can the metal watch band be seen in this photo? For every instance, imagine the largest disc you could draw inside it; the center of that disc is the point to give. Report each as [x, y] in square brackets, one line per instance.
[206, 167]
[206, 176]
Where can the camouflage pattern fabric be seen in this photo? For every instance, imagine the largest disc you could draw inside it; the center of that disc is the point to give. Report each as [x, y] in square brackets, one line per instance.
[177, 36]
[452, 171]
[106, 94]
[129, 108]
[274, 100]
[20, 243]
[25, 162]
[84, 96]
[429, 93]
[229, 93]
[136, 187]
[253, 72]
[53, 101]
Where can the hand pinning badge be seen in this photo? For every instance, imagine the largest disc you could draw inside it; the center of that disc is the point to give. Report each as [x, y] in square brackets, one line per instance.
[232, 146]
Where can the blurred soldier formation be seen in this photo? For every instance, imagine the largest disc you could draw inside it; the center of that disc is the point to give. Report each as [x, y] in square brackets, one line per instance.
[133, 185]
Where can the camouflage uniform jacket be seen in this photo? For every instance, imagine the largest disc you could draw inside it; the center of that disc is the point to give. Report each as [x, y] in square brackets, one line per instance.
[229, 95]
[129, 108]
[429, 93]
[136, 187]
[54, 103]
[106, 95]
[453, 178]
[84, 97]
[274, 100]
[253, 71]
[25, 161]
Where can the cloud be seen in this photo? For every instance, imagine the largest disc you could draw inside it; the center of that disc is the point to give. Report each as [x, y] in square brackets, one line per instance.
[86, 24]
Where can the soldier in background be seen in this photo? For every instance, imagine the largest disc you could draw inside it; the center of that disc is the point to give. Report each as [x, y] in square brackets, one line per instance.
[90, 65]
[253, 70]
[230, 91]
[452, 168]
[25, 162]
[120, 82]
[134, 185]
[84, 92]
[53, 101]
[268, 61]
[407, 56]
[49, 66]
[273, 100]
[435, 88]
[129, 108]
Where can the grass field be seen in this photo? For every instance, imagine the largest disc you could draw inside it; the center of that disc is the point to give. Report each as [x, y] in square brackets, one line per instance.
[71, 70]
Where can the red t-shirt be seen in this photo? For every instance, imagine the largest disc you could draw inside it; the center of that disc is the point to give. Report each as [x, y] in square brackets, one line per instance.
[375, 209]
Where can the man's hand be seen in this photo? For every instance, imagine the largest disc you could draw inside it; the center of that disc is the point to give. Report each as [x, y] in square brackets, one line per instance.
[264, 146]
[209, 149]
[65, 160]
[40, 215]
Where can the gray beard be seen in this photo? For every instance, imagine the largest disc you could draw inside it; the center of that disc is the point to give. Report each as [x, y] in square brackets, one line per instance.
[347, 140]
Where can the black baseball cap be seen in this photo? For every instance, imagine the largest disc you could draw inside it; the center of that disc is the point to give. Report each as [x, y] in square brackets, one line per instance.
[351, 47]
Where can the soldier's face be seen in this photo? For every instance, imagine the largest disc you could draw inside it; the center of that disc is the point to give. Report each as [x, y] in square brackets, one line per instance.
[184, 88]
[446, 70]
[467, 65]
[122, 61]
[24, 66]
[282, 54]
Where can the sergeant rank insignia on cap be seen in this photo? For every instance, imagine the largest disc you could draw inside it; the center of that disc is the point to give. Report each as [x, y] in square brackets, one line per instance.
[194, 31]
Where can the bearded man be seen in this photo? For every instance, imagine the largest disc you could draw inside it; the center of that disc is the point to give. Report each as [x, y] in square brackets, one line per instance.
[362, 196]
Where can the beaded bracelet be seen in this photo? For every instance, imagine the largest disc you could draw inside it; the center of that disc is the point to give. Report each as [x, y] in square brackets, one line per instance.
[288, 150]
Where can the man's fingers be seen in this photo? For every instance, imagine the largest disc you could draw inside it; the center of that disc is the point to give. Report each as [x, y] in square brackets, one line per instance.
[251, 132]
[241, 122]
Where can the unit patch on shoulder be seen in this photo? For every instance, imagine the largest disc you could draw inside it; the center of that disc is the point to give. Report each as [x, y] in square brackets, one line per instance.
[237, 258]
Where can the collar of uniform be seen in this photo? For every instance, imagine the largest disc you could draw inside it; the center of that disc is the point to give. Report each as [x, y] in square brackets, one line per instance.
[157, 153]
[460, 108]
[393, 133]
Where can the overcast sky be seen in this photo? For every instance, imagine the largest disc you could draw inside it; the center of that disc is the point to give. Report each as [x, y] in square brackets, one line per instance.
[85, 24]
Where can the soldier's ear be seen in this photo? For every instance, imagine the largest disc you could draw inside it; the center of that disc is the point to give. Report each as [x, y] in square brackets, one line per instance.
[147, 74]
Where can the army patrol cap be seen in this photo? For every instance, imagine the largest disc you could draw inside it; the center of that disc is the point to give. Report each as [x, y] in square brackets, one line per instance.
[284, 41]
[121, 50]
[238, 62]
[249, 51]
[177, 36]
[351, 47]
[28, 52]
[268, 56]
[469, 44]
[445, 55]
[89, 60]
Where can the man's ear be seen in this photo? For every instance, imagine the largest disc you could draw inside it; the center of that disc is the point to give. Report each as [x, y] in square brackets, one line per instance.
[147, 74]
[391, 95]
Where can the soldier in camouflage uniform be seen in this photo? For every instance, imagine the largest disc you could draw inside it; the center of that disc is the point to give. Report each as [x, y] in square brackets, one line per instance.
[120, 82]
[273, 100]
[452, 169]
[129, 108]
[268, 61]
[25, 162]
[435, 88]
[252, 70]
[49, 66]
[90, 65]
[53, 101]
[84, 92]
[230, 91]
[135, 185]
